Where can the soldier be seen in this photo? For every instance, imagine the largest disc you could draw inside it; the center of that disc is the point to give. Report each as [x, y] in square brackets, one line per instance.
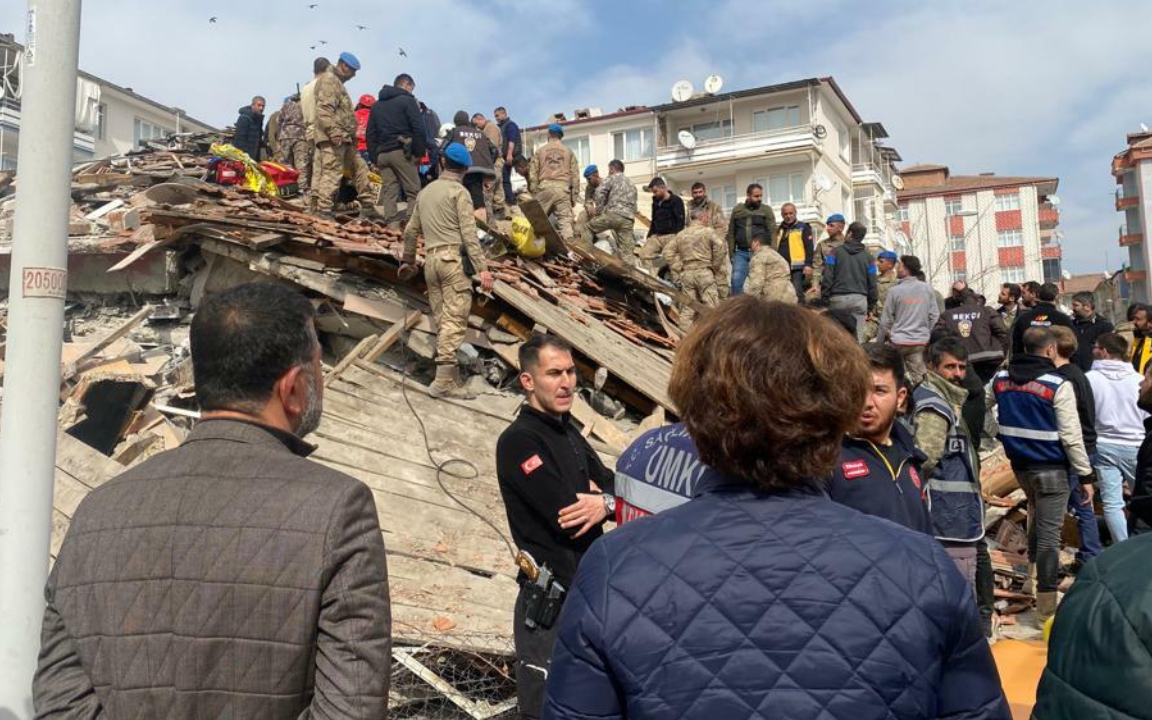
[308, 110]
[824, 248]
[554, 180]
[698, 258]
[886, 267]
[700, 203]
[335, 133]
[615, 210]
[592, 181]
[443, 215]
[295, 150]
[492, 131]
[769, 277]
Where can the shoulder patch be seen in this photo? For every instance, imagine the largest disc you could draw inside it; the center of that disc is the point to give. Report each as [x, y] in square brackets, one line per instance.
[854, 469]
[531, 464]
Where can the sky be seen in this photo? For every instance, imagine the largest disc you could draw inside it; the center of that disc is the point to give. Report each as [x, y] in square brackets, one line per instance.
[1016, 88]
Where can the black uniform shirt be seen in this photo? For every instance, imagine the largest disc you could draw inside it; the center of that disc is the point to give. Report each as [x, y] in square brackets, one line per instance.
[542, 463]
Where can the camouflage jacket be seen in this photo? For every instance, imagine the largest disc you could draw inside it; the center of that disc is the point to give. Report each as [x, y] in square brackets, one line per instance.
[334, 113]
[719, 222]
[884, 283]
[698, 247]
[931, 428]
[291, 122]
[770, 278]
[824, 248]
[554, 162]
[616, 195]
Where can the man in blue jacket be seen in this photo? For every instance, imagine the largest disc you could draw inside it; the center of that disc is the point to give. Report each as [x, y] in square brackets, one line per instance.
[849, 279]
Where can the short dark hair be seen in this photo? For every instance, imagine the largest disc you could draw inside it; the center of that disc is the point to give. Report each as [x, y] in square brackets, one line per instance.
[857, 231]
[1115, 344]
[1013, 290]
[530, 351]
[1085, 298]
[947, 345]
[478, 116]
[747, 355]
[320, 64]
[1135, 308]
[1066, 342]
[884, 357]
[698, 186]
[260, 98]
[753, 186]
[657, 182]
[1036, 339]
[460, 118]
[244, 339]
[616, 165]
[1048, 293]
[519, 159]
[912, 264]
[1031, 286]
[404, 78]
[500, 109]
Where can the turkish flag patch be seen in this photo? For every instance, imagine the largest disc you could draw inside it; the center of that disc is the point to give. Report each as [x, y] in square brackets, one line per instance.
[531, 464]
[855, 469]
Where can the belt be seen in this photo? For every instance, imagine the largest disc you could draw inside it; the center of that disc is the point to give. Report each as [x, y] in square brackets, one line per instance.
[443, 251]
[697, 266]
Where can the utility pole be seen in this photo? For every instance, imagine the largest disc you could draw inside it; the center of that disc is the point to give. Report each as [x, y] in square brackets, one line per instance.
[35, 336]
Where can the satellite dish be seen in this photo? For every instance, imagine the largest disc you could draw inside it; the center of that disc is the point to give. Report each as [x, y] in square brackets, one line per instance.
[1054, 200]
[1143, 127]
[820, 132]
[687, 139]
[682, 91]
[713, 84]
[823, 182]
[897, 182]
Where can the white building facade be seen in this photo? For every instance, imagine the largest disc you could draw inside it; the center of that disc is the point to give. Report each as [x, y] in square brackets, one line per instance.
[1133, 172]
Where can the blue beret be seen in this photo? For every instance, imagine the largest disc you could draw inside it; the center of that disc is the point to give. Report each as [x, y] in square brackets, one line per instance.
[458, 154]
[888, 255]
[555, 128]
[350, 60]
[837, 218]
[590, 171]
[287, 98]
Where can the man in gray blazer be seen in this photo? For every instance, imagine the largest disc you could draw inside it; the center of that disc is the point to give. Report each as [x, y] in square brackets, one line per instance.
[230, 577]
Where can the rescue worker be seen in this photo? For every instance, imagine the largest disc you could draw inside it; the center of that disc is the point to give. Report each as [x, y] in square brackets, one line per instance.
[308, 110]
[397, 141]
[701, 203]
[834, 226]
[592, 181]
[698, 259]
[272, 135]
[335, 133]
[492, 131]
[885, 280]
[793, 240]
[483, 154]
[442, 214]
[554, 180]
[751, 218]
[615, 210]
[768, 275]
[363, 110]
[295, 151]
[667, 222]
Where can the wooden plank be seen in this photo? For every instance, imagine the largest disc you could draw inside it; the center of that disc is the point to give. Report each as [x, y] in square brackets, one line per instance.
[534, 211]
[107, 339]
[350, 358]
[104, 210]
[653, 421]
[389, 338]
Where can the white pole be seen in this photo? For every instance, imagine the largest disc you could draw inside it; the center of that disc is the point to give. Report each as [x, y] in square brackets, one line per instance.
[35, 327]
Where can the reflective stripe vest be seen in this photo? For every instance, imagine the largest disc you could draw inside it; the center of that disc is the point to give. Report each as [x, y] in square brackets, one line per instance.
[1028, 426]
[657, 472]
[954, 500]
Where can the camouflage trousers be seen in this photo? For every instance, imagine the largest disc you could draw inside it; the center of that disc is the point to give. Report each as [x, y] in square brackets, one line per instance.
[652, 252]
[623, 235]
[556, 199]
[298, 154]
[330, 163]
[450, 294]
[494, 191]
[700, 285]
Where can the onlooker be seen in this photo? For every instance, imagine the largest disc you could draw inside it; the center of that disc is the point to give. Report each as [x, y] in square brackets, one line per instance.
[951, 464]
[1125, 329]
[230, 572]
[981, 330]
[1141, 503]
[794, 243]
[249, 135]
[713, 609]
[1043, 313]
[1119, 428]
[768, 276]
[1141, 337]
[849, 279]
[909, 315]
[1009, 303]
[1043, 440]
[886, 279]
[834, 227]
[397, 139]
[657, 472]
[1030, 294]
[752, 218]
[880, 469]
[957, 295]
[668, 220]
[513, 147]
[1088, 326]
[1080, 501]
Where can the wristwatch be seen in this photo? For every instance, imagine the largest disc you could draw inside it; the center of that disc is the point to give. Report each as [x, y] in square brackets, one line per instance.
[610, 503]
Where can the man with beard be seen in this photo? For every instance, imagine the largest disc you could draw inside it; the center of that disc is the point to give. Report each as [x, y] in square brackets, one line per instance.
[1142, 488]
[228, 556]
[1089, 326]
[700, 204]
[879, 472]
[1009, 299]
[1030, 294]
[1141, 338]
[794, 243]
[751, 219]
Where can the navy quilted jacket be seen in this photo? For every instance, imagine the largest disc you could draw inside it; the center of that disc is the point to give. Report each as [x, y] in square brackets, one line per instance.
[742, 605]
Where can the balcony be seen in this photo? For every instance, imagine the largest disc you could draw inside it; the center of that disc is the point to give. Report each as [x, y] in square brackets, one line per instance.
[1049, 217]
[738, 147]
[1123, 203]
[1127, 238]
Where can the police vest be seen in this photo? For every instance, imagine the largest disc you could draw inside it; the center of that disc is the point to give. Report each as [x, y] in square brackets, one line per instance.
[657, 472]
[1027, 415]
[954, 500]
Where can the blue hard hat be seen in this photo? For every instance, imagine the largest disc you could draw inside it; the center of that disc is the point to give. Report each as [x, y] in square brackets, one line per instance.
[350, 60]
[837, 218]
[555, 128]
[888, 255]
[590, 171]
[458, 154]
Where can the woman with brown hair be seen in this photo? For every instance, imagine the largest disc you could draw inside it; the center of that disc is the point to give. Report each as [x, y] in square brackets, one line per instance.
[761, 597]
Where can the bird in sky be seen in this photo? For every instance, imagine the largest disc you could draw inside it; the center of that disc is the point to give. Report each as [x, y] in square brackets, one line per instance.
[312, 47]
[313, 7]
[361, 27]
[323, 42]
[212, 20]
[402, 53]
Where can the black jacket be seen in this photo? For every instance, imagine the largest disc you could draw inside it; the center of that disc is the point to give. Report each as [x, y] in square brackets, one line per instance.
[249, 132]
[1043, 315]
[396, 114]
[1086, 333]
[980, 328]
[1085, 403]
[667, 216]
[541, 464]
[1142, 487]
[849, 270]
[481, 149]
[864, 480]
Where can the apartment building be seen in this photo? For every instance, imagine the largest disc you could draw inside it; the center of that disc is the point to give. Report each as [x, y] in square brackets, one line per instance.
[802, 141]
[1132, 169]
[984, 229]
[110, 119]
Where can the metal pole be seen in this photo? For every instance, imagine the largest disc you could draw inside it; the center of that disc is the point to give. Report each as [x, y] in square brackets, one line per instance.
[35, 322]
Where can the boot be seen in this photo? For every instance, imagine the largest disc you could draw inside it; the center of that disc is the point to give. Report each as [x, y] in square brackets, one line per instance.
[368, 211]
[446, 386]
[1045, 606]
[1029, 587]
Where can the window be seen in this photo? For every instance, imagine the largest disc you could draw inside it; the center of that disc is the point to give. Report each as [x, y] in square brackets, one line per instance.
[953, 206]
[724, 196]
[845, 143]
[1012, 275]
[846, 199]
[1010, 238]
[633, 145]
[959, 276]
[142, 131]
[777, 118]
[101, 121]
[1053, 273]
[711, 130]
[1008, 202]
[779, 189]
[903, 215]
[957, 243]
[580, 146]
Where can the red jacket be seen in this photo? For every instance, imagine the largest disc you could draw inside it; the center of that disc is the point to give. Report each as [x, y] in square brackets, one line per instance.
[362, 128]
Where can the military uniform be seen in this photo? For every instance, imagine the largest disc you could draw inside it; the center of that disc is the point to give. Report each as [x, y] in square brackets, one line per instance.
[719, 222]
[493, 198]
[443, 215]
[554, 180]
[615, 205]
[884, 283]
[698, 258]
[770, 278]
[824, 249]
[308, 110]
[335, 117]
[295, 150]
